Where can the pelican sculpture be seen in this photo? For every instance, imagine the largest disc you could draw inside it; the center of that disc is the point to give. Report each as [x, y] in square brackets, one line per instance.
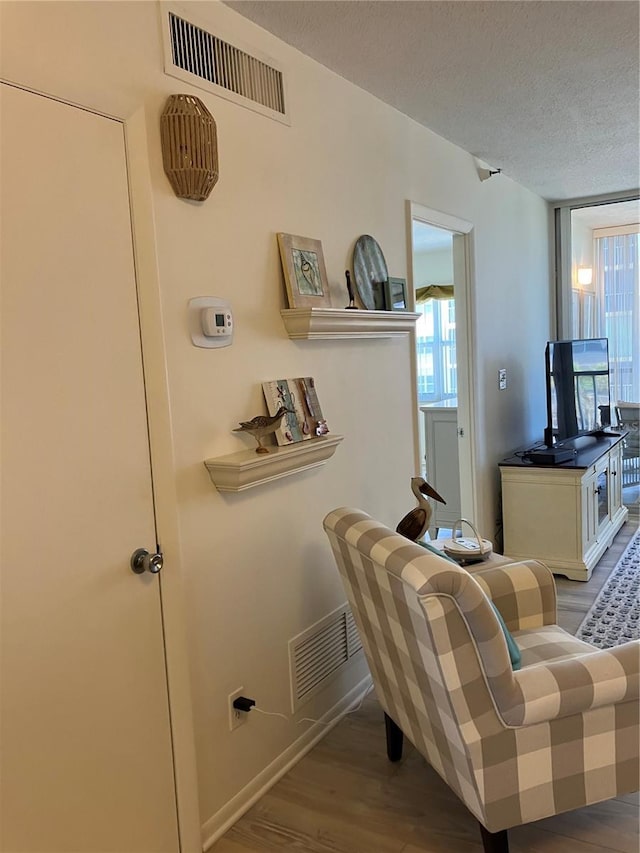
[416, 522]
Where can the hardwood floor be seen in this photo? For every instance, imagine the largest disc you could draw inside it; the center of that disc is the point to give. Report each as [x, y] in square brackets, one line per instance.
[346, 797]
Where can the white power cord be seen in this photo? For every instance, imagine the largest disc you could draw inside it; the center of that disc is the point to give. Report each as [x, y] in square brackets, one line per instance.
[311, 719]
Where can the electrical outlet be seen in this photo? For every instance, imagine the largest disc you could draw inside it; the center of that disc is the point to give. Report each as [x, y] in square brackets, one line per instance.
[502, 378]
[236, 718]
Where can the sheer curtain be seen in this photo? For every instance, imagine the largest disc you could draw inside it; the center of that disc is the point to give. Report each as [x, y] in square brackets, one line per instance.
[617, 260]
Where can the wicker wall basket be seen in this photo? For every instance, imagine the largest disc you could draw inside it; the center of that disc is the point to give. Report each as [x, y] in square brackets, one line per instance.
[189, 147]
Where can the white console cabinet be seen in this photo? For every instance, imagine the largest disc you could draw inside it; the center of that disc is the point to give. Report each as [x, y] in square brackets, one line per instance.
[564, 515]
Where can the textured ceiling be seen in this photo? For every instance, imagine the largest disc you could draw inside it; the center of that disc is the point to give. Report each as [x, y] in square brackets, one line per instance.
[547, 91]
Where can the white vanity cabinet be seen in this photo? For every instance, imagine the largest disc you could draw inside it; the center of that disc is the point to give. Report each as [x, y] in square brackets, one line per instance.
[565, 515]
[442, 466]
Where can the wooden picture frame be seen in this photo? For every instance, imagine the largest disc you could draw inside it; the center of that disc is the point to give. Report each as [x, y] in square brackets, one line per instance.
[304, 271]
[395, 294]
[304, 420]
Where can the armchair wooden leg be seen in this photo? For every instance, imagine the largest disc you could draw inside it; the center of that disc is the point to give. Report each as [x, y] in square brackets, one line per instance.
[394, 739]
[494, 842]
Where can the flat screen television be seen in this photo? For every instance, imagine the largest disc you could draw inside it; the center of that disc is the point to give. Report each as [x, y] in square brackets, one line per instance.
[578, 395]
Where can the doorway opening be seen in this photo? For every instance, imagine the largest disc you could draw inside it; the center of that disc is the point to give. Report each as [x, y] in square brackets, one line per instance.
[436, 369]
[441, 359]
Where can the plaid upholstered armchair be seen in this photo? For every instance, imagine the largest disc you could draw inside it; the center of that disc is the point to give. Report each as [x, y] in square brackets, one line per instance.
[557, 734]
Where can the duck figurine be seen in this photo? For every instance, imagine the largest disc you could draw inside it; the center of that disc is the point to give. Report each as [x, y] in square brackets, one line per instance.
[262, 425]
[416, 522]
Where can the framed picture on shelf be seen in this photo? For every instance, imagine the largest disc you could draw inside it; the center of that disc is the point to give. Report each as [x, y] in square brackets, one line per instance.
[395, 296]
[305, 419]
[305, 276]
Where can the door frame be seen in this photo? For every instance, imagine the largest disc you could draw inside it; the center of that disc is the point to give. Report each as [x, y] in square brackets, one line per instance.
[164, 485]
[155, 376]
[465, 346]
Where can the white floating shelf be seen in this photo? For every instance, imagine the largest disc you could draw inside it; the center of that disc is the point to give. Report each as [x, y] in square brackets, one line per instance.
[340, 323]
[246, 468]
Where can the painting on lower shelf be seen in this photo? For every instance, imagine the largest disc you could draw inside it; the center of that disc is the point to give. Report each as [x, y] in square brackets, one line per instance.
[304, 420]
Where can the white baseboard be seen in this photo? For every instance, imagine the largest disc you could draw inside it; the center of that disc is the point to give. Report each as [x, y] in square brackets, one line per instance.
[223, 819]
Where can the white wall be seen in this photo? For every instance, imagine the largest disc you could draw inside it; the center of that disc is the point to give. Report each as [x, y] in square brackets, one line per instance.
[583, 317]
[258, 569]
[581, 248]
[433, 267]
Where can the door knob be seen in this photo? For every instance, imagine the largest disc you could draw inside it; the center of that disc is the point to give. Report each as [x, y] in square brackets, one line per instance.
[142, 561]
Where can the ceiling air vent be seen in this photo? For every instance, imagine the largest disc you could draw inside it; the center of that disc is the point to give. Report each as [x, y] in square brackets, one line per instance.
[207, 61]
[318, 653]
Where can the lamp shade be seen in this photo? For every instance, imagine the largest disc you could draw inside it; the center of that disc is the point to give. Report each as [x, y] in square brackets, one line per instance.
[189, 147]
[585, 275]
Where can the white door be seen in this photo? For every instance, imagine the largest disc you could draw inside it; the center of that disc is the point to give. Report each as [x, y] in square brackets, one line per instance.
[86, 742]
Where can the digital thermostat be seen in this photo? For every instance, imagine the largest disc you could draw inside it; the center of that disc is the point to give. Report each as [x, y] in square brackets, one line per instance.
[210, 321]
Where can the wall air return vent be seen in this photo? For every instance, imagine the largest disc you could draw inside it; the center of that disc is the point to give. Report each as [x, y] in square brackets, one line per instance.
[317, 654]
[205, 59]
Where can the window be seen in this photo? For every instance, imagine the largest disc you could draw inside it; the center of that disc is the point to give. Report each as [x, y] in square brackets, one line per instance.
[436, 350]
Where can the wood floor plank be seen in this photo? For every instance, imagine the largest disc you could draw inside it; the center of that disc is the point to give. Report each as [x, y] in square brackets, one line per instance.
[344, 796]
[634, 799]
[531, 838]
[521, 840]
[316, 829]
[613, 823]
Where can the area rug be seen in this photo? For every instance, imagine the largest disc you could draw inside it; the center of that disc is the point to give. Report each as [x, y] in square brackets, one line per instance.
[615, 614]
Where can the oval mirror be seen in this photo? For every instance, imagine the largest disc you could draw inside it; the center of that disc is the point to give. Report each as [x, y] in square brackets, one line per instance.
[369, 269]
